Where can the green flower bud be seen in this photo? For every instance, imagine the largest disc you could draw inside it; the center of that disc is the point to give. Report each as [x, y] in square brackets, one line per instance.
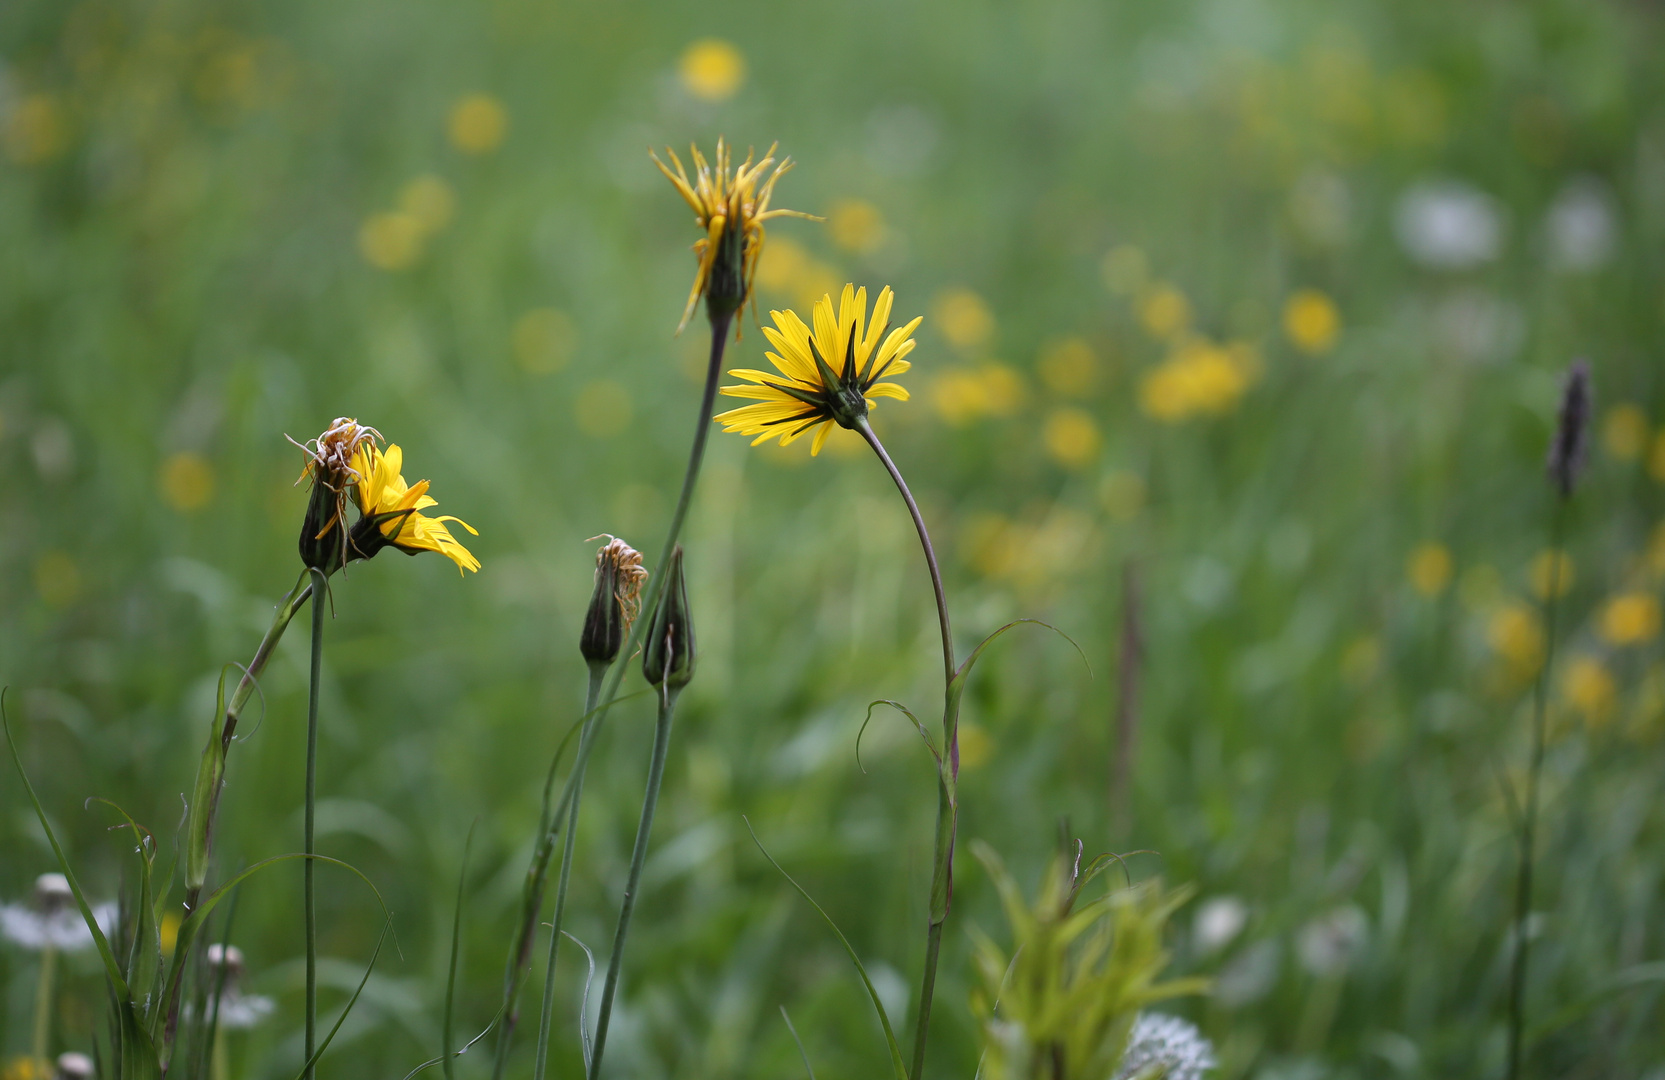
[668, 652]
[614, 603]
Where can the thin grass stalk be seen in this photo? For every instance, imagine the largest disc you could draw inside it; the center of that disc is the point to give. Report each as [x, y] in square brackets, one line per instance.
[1529, 814]
[319, 585]
[638, 856]
[570, 805]
[43, 1003]
[948, 770]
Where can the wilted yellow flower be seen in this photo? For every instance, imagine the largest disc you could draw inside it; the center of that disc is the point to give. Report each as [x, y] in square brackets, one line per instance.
[392, 241]
[1517, 635]
[1551, 570]
[1311, 321]
[36, 129]
[187, 481]
[430, 201]
[1429, 569]
[856, 225]
[543, 340]
[1588, 687]
[730, 207]
[602, 408]
[1624, 432]
[1071, 437]
[823, 376]
[1068, 367]
[963, 318]
[390, 511]
[1630, 618]
[331, 461]
[1125, 270]
[1163, 311]
[712, 69]
[477, 124]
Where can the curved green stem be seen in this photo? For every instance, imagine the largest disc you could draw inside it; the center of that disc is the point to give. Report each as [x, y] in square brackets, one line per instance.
[319, 585]
[948, 770]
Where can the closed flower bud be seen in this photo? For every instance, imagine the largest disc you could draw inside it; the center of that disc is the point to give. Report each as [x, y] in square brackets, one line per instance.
[1572, 430]
[668, 652]
[615, 602]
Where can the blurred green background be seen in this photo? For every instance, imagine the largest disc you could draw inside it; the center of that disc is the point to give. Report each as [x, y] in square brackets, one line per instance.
[1257, 305]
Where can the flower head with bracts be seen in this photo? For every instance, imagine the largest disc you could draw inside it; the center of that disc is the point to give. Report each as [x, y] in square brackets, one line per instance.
[730, 206]
[825, 375]
[390, 511]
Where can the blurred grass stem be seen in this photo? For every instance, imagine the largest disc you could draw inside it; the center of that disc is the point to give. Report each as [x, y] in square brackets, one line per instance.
[319, 585]
[43, 1002]
[1529, 815]
[942, 872]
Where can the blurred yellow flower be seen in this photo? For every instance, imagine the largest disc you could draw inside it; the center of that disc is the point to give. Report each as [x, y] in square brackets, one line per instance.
[543, 340]
[603, 408]
[1631, 618]
[1429, 569]
[1125, 270]
[1198, 378]
[856, 225]
[966, 395]
[1163, 311]
[1588, 686]
[1068, 367]
[1122, 492]
[390, 511]
[825, 376]
[26, 1068]
[730, 207]
[36, 129]
[963, 318]
[1071, 437]
[1656, 458]
[1551, 570]
[712, 69]
[975, 746]
[1311, 321]
[57, 578]
[1362, 659]
[168, 931]
[781, 264]
[478, 124]
[430, 201]
[1624, 432]
[391, 241]
[187, 481]
[1517, 635]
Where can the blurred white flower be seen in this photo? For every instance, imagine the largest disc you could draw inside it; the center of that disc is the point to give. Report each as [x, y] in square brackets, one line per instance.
[1328, 944]
[1580, 225]
[1165, 1046]
[237, 1009]
[1476, 325]
[50, 920]
[1218, 922]
[1249, 975]
[1449, 225]
[73, 1066]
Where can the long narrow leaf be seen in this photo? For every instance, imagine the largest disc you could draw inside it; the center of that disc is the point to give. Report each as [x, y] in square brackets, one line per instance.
[801, 1051]
[584, 1005]
[904, 710]
[456, 940]
[368, 968]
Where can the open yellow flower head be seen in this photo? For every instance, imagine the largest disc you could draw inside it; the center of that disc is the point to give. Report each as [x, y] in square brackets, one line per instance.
[730, 206]
[826, 375]
[390, 511]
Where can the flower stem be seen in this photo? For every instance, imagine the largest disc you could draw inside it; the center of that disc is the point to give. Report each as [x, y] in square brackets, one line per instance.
[638, 856]
[948, 771]
[569, 805]
[319, 585]
[43, 1004]
[1529, 816]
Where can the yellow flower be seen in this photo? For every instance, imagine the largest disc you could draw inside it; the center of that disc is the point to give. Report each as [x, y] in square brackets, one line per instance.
[1069, 367]
[730, 207]
[478, 123]
[1429, 569]
[856, 225]
[1071, 437]
[390, 511]
[1588, 687]
[712, 69]
[1163, 311]
[187, 481]
[1199, 377]
[827, 375]
[1630, 618]
[36, 129]
[1311, 321]
[965, 320]
[392, 240]
[1517, 635]
[1624, 431]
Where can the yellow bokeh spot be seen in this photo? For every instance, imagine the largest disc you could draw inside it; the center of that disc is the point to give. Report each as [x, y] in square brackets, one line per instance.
[1068, 367]
[712, 69]
[1630, 618]
[391, 241]
[856, 225]
[815, 280]
[168, 931]
[975, 746]
[36, 129]
[57, 578]
[1071, 438]
[1517, 635]
[430, 201]
[1122, 492]
[1624, 432]
[543, 340]
[963, 318]
[1429, 569]
[1163, 311]
[602, 408]
[478, 124]
[1551, 570]
[1588, 686]
[187, 481]
[27, 1068]
[1656, 458]
[1362, 660]
[963, 396]
[1198, 378]
[1125, 270]
[1311, 321]
[781, 264]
